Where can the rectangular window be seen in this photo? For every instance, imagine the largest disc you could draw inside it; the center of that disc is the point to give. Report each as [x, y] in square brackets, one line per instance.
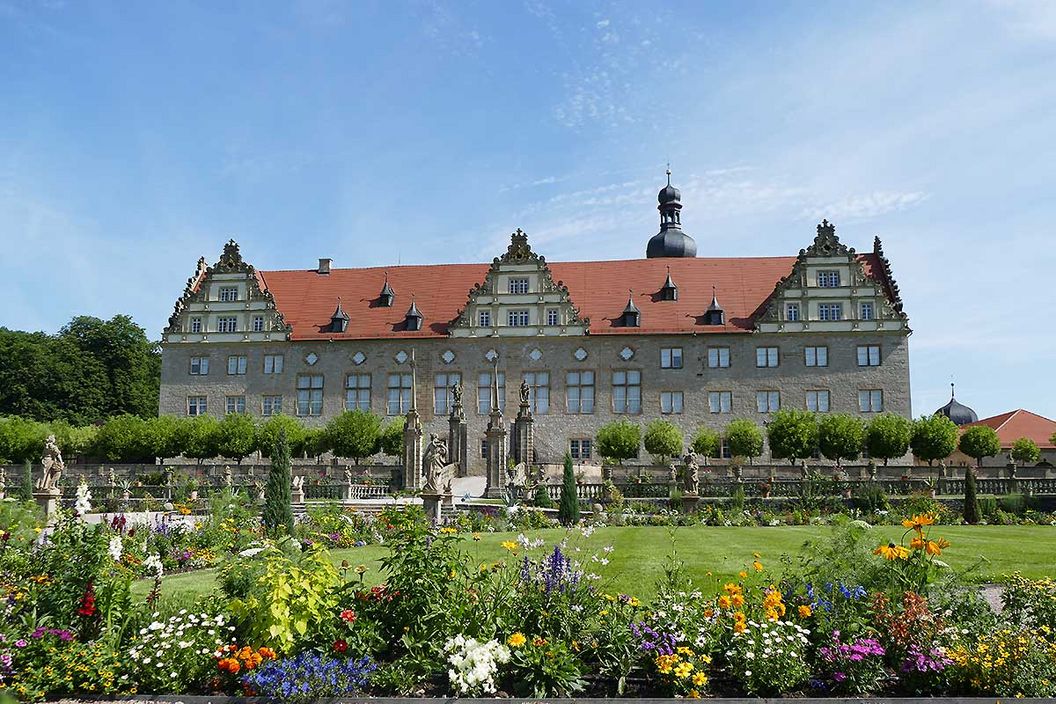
[310, 395]
[197, 406]
[519, 285]
[866, 310]
[580, 448]
[552, 317]
[871, 400]
[270, 405]
[816, 356]
[818, 401]
[828, 279]
[236, 364]
[627, 392]
[670, 357]
[718, 357]
[484, 318]
[258, 323]
[399, 399]
[196, 324]
[579, 392]
[227, 323]
[443, 397]
[869, 355]
[229, 293]
[720, 401]
[483, 448]
[484, 392]
[273, 363]
[517, 318]
[792, 311]
[766, 357]
[768, 401]
[357, 392]
[199, 366]
[724, 450]
[671, 402]
[830, 311]
[236, 404]
[538, 391]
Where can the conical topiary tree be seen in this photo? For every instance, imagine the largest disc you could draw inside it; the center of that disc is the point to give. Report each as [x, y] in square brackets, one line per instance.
[971, 502]
[568, 509]
[278, 502]
[26, 481]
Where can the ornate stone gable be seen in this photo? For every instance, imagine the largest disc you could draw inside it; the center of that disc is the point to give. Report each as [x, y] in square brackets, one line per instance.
[826, 243]
[519, 297]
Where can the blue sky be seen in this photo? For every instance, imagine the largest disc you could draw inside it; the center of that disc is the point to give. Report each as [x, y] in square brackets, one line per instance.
[135, 137]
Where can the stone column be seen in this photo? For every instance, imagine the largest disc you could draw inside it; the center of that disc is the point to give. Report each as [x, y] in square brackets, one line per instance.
[412, 438]
[496, 434]
[523, 432]
[457, 435]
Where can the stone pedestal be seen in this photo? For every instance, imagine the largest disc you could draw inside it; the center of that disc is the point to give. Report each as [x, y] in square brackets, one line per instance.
[524, 432]
[412, 452]
[458, 441]
[689, 502]
[498, 456]
[48, 500]
[432, 503]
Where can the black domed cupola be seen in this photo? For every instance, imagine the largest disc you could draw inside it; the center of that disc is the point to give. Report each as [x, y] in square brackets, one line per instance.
[670, 241]
[957, 411]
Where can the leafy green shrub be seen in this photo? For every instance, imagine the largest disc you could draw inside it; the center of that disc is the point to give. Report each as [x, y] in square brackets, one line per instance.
[662, 440]
[870, 499]
[542, 497]
[1016, 504]
[619, 440]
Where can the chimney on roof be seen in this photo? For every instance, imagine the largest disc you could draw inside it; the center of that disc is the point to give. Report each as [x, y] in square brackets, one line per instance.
[324, 265]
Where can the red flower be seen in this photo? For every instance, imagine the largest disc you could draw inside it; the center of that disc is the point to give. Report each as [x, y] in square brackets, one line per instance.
[340, 645]
[348, 616]
[87, 607]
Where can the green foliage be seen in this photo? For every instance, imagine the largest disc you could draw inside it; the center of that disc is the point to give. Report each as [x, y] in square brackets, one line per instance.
[887, 436]
[840, 436]
[236, 436]
[1025, 451]
[355, 434]
[21, 439]
[125, 438]
[542, 497]
[980, 441]
[971, 500]
[198, 437]
[548, 670]
[26, 481]
[793, 434]
[278, 502]
[662, 440]
[619, 440]
[744, 439]
[391, 441]
[268, 434]
[706, 442]
[568, 508]
[870, 499]
[164, 435]
[934, 437]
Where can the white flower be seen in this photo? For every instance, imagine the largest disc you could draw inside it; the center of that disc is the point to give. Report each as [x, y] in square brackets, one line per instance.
[115, 549]
[83, 504]
[153, 568]
[250, 552]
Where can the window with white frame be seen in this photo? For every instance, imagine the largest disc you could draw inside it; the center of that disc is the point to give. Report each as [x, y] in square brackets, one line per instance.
[270, 405]
[196, 324]
[768, 401]
[517, 318]
[869, 355]
[197, 405]
[720, 401]
[199, 366]
[718, 357]
[828, 278]
[227, 323]
[818, 401]
[766, 357]
[484, 392]
[865, 310]
[553, 317]
[258, 323]
[724, 449]
[538, 391]
[273, 363]
[671, 402]
[399, 394]
[579, 392]
[228, 293]
[670, 357]
[357, 392]
[871, 400]
[236, 404]
[484, 318]
[816, 356]
[237, 364]
[580, 448]
[519, 285]
[627, 391]
[792, 311]
[443, 395]
[830, 311]
[310, 395]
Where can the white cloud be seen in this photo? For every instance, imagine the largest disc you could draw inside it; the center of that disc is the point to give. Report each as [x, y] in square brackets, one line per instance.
[866, 205]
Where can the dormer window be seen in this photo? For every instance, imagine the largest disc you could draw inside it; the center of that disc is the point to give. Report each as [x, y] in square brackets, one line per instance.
[228, 293]
[828, 278]
[866, 310]
[631, 317]
[413, 319]
[792, 312]
[339, 320]
[553, 317]
[519, 285]
[714, 315]
[196, 324]
[669, 291]
[387, 296]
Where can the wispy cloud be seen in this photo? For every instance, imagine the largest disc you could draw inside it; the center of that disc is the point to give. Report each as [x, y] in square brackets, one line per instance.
[866, 205]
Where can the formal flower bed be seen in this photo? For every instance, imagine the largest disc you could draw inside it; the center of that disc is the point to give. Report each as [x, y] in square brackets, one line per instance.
[846, 618]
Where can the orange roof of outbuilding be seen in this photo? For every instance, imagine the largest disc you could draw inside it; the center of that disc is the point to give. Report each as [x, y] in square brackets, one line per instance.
[1020, 423]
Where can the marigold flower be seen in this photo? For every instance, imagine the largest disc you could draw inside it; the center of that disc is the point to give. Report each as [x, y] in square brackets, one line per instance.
[805, 611]
[737, 600]
[739, 627]
[732, 589]
[683, 670]
[348, 616]
[724, 602]
[516, 640]
[694, 694]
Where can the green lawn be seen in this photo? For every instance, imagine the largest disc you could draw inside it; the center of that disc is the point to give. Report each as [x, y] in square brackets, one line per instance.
[640, 553]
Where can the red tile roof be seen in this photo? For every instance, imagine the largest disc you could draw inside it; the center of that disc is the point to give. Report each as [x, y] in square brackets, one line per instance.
[599, 289]
[1021, 424]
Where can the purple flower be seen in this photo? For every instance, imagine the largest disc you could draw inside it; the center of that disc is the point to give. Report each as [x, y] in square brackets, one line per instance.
[21, 643]
[838, 676]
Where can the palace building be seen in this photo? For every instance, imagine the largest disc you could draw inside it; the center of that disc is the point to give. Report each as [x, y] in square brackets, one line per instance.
[695, 340]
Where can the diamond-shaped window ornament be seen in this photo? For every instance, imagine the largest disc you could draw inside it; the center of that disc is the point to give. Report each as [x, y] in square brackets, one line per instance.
[535, 355]
[448, 356]
[626, 353]
[580, 354]
[401, 357]
[359, 358]
[491, 355]
[311, 359]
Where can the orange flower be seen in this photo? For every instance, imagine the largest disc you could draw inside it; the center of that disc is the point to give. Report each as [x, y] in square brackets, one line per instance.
[918, 543]
[708, 613]
[935, 547]
[805, 611]
[732, 589]
[892, 552]
[739, 627]
[737, 600]
[758, 566]
[724, 602]
[918, 522]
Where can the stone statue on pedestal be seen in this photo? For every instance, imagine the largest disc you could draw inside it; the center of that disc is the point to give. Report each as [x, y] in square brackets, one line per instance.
[525, 390]
[692, 478]
[229, 477]
[456, 395]
[434, 462]
[52, 464]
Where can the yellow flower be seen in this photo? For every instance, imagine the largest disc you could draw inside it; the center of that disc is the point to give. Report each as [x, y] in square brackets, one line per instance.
[683, 650]
[739, 627]
[516, 640]
[918, 522]
[509, 545]
[742, 574]
[603, 612]
[694, 694]
[892, 552]
[699, 679]
[758, 566]
[360, 569]
[804, 611]
[724, 602]
[732, 589]
[683, 670]
[737, 600]
[476, 536]
[935, 547]
[448, 530]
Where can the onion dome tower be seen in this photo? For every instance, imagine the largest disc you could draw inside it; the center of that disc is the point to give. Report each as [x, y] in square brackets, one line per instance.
[957, 412]
[670, 241]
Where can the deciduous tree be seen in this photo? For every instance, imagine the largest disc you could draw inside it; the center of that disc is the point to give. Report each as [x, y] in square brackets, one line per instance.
[840, 436]
[619, 440]
[934, 438]
[662, 440]
[793, 434]
[887, 436]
